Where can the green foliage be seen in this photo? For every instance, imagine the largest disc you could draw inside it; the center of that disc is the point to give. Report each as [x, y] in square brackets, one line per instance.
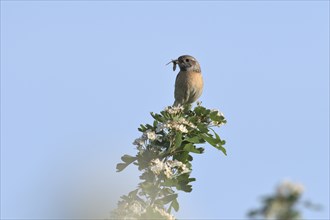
[127, 161]
[164, 155]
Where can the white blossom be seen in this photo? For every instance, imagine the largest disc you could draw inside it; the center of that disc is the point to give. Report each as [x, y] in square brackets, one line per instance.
[151, 135]
[178, 167]
[186, 122]
[173, 110]
[180, 127]
[147, 135]
[136, 208]
[165, 214]
[176, 163]
[287, 188]
[156, 166]
[177, 126]
[169, 168]
[185, 169]
[129, 211]
[168, 171]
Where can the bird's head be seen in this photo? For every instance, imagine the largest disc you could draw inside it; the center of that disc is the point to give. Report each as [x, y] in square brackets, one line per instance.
[186, 63]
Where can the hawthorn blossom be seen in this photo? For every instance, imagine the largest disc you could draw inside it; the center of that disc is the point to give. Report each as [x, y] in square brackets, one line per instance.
[186, 122]
[168, 171]
[173, 110]
[287, 188]
[169, 168]
[129, 210]
[179, 127]
[151, 135]
[178, 165]
[175, 125]
[185, 169]
[156, 166]
[165, 214]
[136, 208]
[147, 135]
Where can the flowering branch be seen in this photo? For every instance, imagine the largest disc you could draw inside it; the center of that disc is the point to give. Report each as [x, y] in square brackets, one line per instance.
[164, 157]
[282, 205]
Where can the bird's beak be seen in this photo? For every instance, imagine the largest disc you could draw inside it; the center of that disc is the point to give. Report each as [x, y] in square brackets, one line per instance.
[175, 62]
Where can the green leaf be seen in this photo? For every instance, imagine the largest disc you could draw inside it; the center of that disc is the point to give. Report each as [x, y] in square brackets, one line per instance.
[209, 139]
[157, 117]
[167, 199]
[166, 191]
[215, 117]
[169, 182]
[191, 180]
[184, 187]
[148, 176]
[183, 181]
[121, 166]
[166, 115]
[149, 127]
[207, 112]
[217, 137]
[183, 157]
[192, 148]
[222, 149]
[199, 110]
[144, 158]
[169, 210]
[215, 142]
[175, 205]
[195, 140]
[148, 187]
[133, 193]
[128, 159]
[178, 139]
[202, 128]
[155, 123]
[142, 128]
[219, 143]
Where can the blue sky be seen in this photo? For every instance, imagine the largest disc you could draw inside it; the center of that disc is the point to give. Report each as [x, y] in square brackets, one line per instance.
[78, 77]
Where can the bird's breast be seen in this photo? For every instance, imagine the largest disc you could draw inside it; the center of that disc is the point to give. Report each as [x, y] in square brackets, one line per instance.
[195, 79]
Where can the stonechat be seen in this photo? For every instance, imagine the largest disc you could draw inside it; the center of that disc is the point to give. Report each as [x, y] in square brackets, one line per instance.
[189, 81]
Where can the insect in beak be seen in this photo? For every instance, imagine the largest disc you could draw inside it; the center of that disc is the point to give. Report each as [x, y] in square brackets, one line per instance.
[175, 62]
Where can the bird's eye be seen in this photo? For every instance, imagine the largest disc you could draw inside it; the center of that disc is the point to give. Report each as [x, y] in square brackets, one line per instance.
[187, 60]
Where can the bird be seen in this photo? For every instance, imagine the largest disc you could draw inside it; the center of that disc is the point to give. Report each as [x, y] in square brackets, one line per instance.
[189, 81]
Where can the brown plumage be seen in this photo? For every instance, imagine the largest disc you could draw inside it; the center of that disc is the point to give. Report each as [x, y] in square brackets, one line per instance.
[189, 81]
